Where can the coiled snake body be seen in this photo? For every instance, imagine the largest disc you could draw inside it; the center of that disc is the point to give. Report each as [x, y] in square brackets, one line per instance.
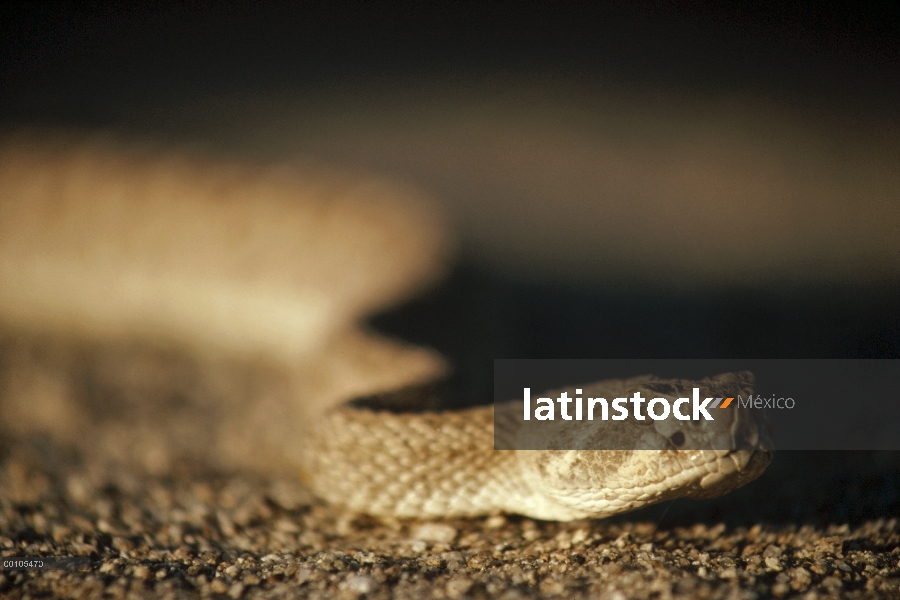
[271, 268]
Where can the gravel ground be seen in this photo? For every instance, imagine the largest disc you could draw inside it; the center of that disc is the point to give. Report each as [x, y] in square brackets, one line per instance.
[815, 526]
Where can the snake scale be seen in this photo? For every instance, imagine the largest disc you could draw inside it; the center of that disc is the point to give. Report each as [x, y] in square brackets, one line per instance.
[256, 277]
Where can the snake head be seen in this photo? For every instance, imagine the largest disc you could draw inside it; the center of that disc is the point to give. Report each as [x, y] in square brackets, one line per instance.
[598, 468]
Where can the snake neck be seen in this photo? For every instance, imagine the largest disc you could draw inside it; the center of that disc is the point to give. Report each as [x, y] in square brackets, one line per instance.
[410, 464]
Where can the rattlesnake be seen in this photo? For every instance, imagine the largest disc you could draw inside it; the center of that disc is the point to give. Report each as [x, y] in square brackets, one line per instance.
[146, 260]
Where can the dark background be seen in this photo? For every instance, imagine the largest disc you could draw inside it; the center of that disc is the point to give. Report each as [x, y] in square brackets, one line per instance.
[80, 61]
[88, 63]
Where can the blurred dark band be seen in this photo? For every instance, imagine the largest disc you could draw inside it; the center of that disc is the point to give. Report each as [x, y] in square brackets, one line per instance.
[807, 404]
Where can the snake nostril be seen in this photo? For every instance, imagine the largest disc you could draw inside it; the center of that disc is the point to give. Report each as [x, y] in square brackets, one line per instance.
[677, 438]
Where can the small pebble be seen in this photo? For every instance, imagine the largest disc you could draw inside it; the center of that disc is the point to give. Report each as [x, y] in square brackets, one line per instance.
[434, 532]
[773, 564]
[457, 587]
[360, 584]
[141, 572]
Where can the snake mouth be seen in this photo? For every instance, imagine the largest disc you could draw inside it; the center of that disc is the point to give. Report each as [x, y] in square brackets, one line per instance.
[734, 469]
[753, 450]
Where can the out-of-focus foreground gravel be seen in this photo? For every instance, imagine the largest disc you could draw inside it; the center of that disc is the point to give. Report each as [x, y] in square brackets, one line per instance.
[815, 526]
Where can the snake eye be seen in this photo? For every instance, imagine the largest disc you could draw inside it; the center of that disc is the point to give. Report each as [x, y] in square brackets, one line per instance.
[677, 438]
